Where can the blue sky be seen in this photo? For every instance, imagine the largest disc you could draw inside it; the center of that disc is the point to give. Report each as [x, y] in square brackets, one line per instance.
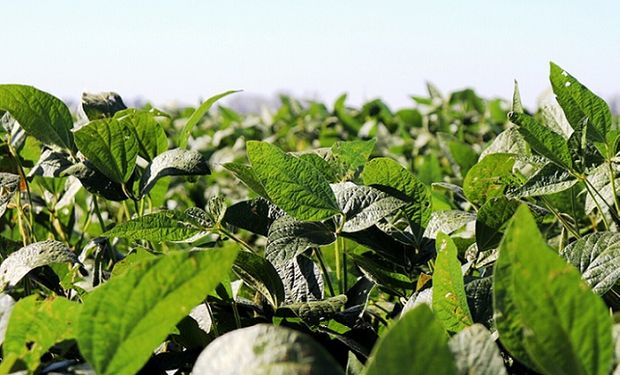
[185, 50]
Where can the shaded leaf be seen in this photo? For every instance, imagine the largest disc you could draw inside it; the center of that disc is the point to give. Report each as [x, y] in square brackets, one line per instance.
[38, 254]
[261, 276]
[313, 312]
[491, 220]
[302, 280]
[101, 105]
[9, 185]
[175, 162]
[597, 257]
[265, 349]
[256, 215]
[96, 182]
[363, 206]
[550, 179]
[289, 237]
[125, 319]
[51, 164]
[389, 173]
[475, 352]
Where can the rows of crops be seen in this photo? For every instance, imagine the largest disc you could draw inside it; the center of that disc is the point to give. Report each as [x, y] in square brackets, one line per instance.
[457, 236]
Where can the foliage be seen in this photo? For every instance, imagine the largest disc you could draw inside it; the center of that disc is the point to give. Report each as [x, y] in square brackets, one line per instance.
[458, 235]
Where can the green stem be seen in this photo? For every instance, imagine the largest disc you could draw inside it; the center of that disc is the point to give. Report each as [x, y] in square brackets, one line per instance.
[344, 265]
[213, 325]
[337, 257]
[238, 240]
[319, 256]
[236, 314]
[558, 215]
[600, 209]
[98, 213]
[612, 181]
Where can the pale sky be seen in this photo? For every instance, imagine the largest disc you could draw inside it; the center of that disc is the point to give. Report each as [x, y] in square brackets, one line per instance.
[185, 50]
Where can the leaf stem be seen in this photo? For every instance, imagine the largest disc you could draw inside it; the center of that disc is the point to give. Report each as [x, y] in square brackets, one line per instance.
[98, 214]
[612, 181]
[319, 256]
[238, 240]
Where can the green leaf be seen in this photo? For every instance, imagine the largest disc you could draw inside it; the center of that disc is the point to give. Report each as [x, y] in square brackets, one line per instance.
[37, 325]
[389, 173]
[110, 146]
[101, 105]
[246, 174]
[292, 184]
[347, 157]
[289, 237]
[447, 222]
[415, 344]
[491, 219]
[6, 307]
[461, 155]
[363, 206]
[546, 316]
[516, 100]
[198, 115]
[580, 105]
[380, 275]
[489, 178]
[42, 115]
[261, 276]
[148, 132]
[125, 319]
[329, 171]
[475, 352]
[543, 140]
[175, 162]
[38, 254]
[265, 349]
[550, 179]
[597, 257]
[313, 312]
[160, 226]
[510, 141]
[9, 185]
[449, 300]
[255, 215]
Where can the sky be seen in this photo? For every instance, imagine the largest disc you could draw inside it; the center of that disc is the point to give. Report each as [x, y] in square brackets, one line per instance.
[182, 51]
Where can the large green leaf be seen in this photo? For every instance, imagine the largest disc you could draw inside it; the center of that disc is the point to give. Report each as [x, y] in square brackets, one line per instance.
[198, 115]
[363, 206]
[543, 140]
[160, 226]
[545, 314]
[175, 162]
[580, 105]
[348, 157]
[37, 325]
[38, 254]
[265, 349]
[292, 184]
[42, 115]
[246, 174]
[148, 132]
[447, 222]
[111, 146]
[289, 237]
[389, 173]
[260, 275]
[475, 352]
[415, 344]
[449, 300]
[125, 319]
[597, 257]
[510, 141]
[489, 178]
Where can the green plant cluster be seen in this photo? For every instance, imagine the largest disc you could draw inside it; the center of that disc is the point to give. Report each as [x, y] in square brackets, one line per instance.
[457, 236]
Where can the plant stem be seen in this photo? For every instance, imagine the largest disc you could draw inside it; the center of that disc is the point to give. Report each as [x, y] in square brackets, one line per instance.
[98, 213]
[337, 257]
[600, 209]
[612, 181]
[236, 314]
[238, 240]
[213, 325]
[319, 256]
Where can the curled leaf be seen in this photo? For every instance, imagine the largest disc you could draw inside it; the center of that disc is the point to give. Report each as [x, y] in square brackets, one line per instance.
[175, 162]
